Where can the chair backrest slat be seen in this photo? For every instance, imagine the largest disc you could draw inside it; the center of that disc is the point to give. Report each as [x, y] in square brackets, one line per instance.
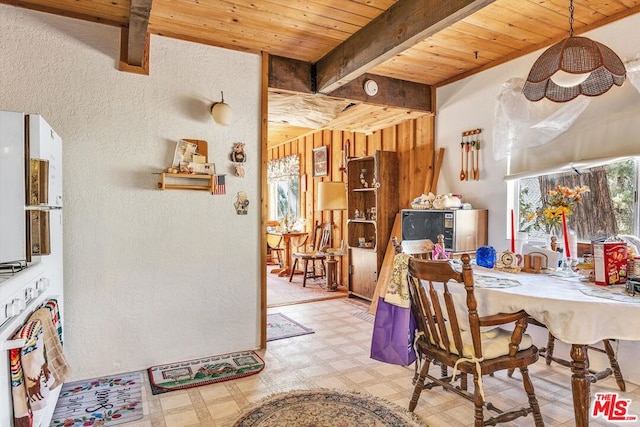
[442, 337]
[453, 318]
[325, 236]
[425, 308]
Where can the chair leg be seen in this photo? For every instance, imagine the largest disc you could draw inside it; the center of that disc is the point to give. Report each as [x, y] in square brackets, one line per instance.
[464, 382]
[293, 269]
[419, 384]
[478, 403]
[550, 344]
[533, 402]
[304, 274]
[614, 365]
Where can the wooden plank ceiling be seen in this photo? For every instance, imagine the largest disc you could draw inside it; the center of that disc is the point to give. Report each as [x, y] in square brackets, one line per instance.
[427, 42]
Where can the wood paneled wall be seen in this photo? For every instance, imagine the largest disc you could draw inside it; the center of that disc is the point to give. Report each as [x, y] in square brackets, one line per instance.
[413, 140]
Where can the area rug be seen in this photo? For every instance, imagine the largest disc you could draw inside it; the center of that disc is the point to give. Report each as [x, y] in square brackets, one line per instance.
[100, 402]
[280, 326]
[326, 408]
[281, 292]
[209, 370]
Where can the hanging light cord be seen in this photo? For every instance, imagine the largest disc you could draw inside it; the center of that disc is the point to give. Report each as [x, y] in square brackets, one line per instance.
[570, 18]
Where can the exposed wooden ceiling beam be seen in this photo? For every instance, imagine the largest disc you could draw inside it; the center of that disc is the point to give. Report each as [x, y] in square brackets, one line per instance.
[297, 76]
[134, 42]
[401, 26]
[290, 74]
[391, 92]
[62, 12]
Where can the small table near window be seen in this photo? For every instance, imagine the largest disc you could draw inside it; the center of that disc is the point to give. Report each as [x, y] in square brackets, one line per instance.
[285, 271]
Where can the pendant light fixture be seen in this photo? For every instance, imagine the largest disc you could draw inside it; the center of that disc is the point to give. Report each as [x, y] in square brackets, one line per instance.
[221, 112]
[575, 66]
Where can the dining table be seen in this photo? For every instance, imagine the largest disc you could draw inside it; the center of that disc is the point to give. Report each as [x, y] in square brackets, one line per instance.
[287, 237]
[575, 311]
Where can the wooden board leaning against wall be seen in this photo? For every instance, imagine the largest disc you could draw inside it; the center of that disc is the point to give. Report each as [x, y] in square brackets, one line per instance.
[413, 140]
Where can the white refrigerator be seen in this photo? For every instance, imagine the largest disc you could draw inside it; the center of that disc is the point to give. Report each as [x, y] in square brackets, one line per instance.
[26, 198]
[31, 179]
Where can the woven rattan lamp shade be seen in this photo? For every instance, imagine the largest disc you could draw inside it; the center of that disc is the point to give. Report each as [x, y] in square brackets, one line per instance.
[574, 55]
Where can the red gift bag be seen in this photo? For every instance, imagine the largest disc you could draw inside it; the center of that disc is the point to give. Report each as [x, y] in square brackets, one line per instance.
[393, 331]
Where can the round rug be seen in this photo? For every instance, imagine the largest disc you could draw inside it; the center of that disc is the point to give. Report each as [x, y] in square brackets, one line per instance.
[315, 408]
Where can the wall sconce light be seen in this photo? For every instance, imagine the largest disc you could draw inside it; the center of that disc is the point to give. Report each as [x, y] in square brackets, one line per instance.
[575, 66]
[221, 112]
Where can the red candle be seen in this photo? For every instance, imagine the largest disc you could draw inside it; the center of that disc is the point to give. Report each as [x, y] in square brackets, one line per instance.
[567, 250]
[513, 233]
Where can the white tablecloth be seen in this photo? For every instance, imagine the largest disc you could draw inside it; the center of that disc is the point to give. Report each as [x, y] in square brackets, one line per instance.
[560, 304]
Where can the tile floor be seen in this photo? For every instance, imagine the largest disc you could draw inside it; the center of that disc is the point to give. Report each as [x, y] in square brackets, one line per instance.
[336, 356]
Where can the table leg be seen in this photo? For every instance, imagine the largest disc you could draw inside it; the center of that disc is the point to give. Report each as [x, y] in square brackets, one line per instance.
[332, 273]
[580, 386]
[286, 267]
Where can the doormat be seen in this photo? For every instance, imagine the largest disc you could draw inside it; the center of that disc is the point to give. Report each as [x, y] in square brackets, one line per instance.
[104, 401]
[208, 370]
[280, 326]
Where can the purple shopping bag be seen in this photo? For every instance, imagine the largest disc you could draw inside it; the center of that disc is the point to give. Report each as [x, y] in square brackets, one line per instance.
[393, 332]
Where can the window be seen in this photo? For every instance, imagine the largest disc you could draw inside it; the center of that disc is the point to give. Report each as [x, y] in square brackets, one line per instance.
[283, 199]
[607, 209]
[283, 177]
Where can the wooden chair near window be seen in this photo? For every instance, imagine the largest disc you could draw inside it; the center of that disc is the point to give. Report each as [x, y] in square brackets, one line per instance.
[452, 335]
[275, 250]
[313, 261]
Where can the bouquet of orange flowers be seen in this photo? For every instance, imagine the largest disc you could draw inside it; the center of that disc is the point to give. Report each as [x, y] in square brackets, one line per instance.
[560, 199]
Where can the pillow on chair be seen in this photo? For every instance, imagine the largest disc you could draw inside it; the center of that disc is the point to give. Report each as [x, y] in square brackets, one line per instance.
[495, 342]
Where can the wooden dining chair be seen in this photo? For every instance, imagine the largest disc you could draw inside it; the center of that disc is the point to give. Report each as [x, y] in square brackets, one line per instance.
[313, 261]
[449, 332]
[275, 249]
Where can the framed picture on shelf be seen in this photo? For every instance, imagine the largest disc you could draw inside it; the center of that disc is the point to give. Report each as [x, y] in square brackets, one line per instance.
[320, 162]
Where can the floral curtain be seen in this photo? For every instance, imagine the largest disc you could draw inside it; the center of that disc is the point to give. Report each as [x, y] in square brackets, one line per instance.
[283, 169]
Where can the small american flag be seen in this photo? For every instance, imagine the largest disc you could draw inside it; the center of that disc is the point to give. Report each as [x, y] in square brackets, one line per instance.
[218, 185]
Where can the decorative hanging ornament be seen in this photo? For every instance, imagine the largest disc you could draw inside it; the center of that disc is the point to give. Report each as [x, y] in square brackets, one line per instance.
[238, 157]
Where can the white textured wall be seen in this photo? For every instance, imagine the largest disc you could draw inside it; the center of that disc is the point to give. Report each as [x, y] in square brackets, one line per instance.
[470, 103]
[151, 276]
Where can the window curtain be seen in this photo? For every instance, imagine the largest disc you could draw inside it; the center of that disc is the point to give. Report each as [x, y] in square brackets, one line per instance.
[283, 169]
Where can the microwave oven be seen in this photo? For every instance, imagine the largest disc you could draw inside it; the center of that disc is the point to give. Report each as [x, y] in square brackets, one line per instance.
[464, 230]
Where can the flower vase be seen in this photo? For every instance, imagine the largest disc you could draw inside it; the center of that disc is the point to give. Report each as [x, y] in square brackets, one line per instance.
[557, 234]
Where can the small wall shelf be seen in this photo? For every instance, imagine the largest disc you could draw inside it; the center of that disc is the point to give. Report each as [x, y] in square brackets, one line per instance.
[201, 183]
